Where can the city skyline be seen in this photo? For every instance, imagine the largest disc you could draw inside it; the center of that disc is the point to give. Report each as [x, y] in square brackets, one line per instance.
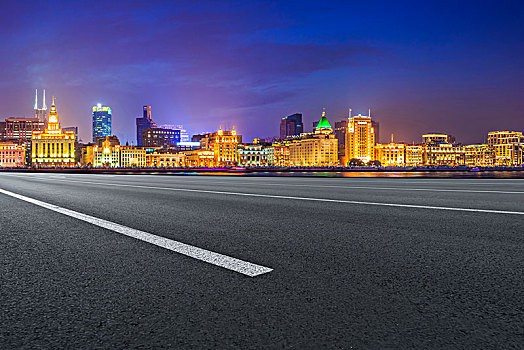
[420, 68]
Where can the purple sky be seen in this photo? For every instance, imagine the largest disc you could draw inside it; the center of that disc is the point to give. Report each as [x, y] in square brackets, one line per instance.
[421, 66]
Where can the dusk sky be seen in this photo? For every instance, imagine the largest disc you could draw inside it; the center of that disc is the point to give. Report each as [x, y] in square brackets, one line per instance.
[454, 67]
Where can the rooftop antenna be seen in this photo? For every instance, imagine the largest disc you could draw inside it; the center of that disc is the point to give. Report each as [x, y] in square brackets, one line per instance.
[36, 98]
[369, 112]
[43, 102]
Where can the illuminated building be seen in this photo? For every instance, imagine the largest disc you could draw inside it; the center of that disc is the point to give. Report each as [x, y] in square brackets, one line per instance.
[255, 155]
[437, 138]
[444, 154]
[291, 126]
[73, 129]
[12, 155]
[187, 145]
[40, 113]
[166, 160]
[278, 154]
[414, 155]
[160, 137]
[200, 158]
[132, 157]
[340, 134]
[53, 147]
[144, 123]
[102, 119]
[479, 155]
[508, 147]
[316, 149]
[84, 154]
[224, 145]
[2, 131]
[184, 136]
[106, 155]
[21, 129]
[360, 138]
[392, 154]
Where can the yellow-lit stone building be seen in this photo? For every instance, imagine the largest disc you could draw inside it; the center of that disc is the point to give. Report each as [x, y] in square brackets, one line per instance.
[444, 154]
[107, 156]
[414, 155]
[132, 157]
[479, 155]
[12, 155]
[278, 154]
[52, 147]
[317, 149]
[199, 158]
[224, 145]
[360, 138]
[508, 147]
[391, 154]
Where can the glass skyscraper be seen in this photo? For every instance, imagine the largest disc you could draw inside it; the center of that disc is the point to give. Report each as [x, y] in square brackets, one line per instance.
[101, 121]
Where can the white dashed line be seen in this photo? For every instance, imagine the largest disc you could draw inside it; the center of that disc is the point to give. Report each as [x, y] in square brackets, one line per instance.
[227, 262]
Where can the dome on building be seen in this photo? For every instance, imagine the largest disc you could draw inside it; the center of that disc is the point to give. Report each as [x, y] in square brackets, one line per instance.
[323, 125]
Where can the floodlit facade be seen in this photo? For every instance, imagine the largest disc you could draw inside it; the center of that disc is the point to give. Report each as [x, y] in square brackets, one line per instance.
[436, 138]
[12, 155]
[132, 157]
[102, 120]
[508, 147]
[414, 155]
[224, 145]
[360, 139]
[392, 154]
[278, 154]
[107, 155]
[444, 154]
[315, 150]
[53, 147]
[252, 155]
[479, 155]
[200, 158]
[160, 137]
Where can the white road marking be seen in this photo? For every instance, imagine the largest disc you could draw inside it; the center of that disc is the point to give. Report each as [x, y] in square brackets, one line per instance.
[233, 264]
[491, 211]
[312, 185]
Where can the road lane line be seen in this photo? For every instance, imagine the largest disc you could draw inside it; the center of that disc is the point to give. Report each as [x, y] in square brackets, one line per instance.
[415, 206]
[230, 263]
[255, 183]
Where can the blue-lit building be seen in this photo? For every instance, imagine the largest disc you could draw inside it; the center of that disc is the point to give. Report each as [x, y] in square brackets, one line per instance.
[143, 123]
[101, 121]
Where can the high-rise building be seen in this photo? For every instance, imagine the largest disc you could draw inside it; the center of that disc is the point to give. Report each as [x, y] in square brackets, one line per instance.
[102, 119]
[21, 129]
[40, 113]
[291, 126]
[341, 128]
[143, 123]
[53, 147]
[360, 138]
[160, 137]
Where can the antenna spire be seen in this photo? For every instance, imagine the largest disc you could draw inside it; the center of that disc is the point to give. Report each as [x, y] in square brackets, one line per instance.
[36, 98]
[369, 112]
[43, 102]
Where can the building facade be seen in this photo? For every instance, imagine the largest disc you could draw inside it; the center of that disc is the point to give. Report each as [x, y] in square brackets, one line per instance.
[143, 123]
[132, 157]
[444, 154]
[160, 137]
[102, 121]
[52, 147]
[391, 154]
[106, 155]
[12, 155]
[255, 155]
[291, 126]
[360, 139]
[508, 147]
[224, 144]
[414, 155]
[479, 155]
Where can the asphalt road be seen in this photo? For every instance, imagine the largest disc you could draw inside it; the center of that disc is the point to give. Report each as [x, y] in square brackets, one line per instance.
[351, 263]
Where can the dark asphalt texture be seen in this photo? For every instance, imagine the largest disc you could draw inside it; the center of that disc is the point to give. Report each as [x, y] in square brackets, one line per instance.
[346, 276]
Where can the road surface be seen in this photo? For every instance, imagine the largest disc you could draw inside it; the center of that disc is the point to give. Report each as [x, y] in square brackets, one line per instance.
[231, 262]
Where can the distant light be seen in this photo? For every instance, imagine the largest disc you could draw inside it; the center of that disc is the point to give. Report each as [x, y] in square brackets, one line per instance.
[99, 105]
